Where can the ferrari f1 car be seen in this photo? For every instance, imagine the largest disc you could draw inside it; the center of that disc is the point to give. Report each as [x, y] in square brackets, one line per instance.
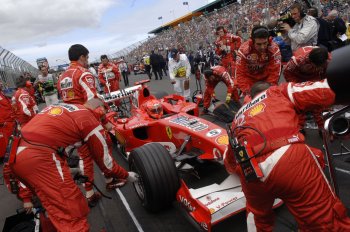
[174, 152]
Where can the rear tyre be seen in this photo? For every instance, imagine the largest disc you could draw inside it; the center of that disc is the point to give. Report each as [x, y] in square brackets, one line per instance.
[159, 180]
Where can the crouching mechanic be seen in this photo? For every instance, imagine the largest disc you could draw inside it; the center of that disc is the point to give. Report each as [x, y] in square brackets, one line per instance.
[41, 160]
[308, 64]
[213, 76]
[268, 124]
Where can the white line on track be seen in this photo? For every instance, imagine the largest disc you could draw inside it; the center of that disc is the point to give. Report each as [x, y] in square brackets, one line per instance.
[343, 171]
[126, 204]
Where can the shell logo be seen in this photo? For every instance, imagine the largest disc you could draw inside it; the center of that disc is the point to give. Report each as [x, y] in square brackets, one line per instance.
[70, 93]
[212, 210]
[257, 109]
[222, 140]
[55, 111]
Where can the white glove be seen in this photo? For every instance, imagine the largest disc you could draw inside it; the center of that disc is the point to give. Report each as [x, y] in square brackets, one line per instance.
[133, 176]
[28, 206]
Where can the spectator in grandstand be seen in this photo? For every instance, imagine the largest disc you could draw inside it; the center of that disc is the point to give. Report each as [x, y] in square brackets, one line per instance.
[108, 74]
[259, 59]
[155, 63]
[308, 64]
[304, 32]
[47, 83]
[179, 72]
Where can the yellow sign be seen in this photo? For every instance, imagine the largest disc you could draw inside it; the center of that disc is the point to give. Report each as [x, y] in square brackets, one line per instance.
[222, 140]
[55, 111]
[257, 110]
[212, 210]
[169, 132]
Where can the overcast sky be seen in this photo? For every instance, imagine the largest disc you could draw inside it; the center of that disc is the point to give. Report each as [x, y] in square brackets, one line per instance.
[39, 28]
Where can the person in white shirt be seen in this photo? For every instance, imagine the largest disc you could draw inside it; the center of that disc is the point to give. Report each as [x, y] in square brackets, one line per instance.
[179, 72]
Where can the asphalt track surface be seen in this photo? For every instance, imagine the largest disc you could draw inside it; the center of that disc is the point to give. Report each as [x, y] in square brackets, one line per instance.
[125, 213]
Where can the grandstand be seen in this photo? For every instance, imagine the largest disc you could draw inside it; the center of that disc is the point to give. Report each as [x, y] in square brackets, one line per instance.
[213, 6]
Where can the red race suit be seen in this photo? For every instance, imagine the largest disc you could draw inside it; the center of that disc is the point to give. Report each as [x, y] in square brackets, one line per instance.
[221, 75]
[290, 168]
[111, 73]
[300, 69]
[7, 122]
[40, 166]
[26, 107]
[76, 84]
[253, 66]
[226, 47]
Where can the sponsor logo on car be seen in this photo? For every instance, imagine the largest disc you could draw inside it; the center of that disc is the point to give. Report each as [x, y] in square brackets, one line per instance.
[226, 203]
[169, 132]
[213, 133]
[222, 140]
[191, 123]
[187, 203]
[211, 201]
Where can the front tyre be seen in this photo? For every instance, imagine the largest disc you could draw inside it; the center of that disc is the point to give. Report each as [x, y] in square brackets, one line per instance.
[159, 180]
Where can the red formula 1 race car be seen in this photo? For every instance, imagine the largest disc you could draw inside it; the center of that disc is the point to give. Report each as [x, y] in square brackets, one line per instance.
[176, 154]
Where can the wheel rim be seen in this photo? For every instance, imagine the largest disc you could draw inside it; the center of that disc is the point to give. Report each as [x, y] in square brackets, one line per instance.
[138, 185]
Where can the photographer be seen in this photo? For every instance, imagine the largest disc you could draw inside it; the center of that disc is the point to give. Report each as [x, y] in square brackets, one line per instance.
[304, 32]
[47, 82]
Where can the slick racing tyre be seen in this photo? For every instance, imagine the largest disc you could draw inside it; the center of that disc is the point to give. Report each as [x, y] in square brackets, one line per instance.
[159, 180]
[160, 94]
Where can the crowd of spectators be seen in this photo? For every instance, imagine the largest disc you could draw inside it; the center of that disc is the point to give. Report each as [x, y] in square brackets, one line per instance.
[237, 18]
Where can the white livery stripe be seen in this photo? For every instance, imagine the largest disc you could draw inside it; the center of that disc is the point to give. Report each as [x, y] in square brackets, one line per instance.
[89, 93]
[58, 166]
[107, 159]
[24, 106]
[267, 166]
[296, 89]
[251, 223]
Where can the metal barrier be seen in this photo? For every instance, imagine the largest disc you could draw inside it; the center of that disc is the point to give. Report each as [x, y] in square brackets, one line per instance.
[11, 66]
